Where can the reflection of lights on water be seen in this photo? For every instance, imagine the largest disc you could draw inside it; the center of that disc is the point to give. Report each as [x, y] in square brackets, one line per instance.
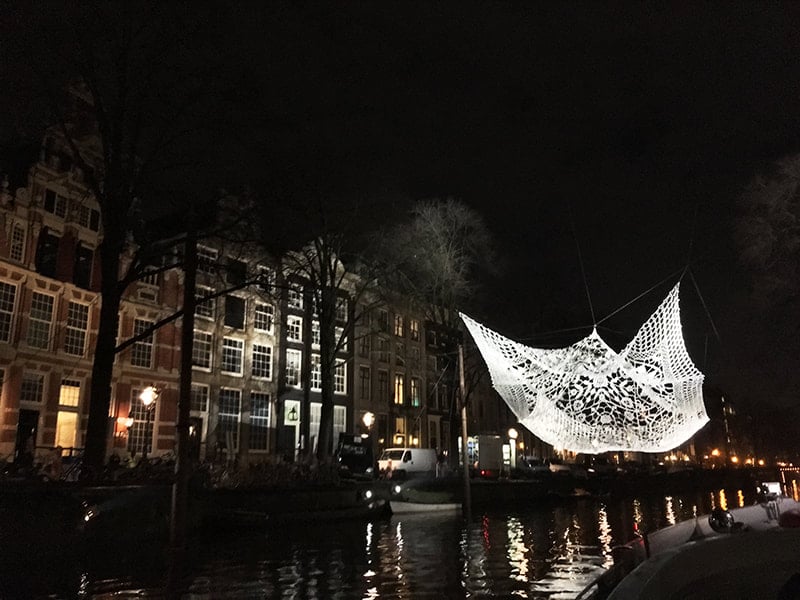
[713, 500]
[637, 511]
[669, 511]
[605, 535]
[723, 500]
[369, 538]
[371, 593]
[517, 550]
[740, 498]
[485, 531]
[398, 534]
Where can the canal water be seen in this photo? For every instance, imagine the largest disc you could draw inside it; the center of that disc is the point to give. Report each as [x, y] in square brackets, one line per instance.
[549, 550]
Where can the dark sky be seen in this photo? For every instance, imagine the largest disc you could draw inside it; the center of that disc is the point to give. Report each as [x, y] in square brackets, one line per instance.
[625, 130]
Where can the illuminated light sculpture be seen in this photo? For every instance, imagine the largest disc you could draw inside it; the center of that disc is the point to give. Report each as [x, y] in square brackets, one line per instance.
[587, 398]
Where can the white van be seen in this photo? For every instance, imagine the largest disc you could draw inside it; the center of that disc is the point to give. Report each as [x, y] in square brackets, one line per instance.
[409, 462]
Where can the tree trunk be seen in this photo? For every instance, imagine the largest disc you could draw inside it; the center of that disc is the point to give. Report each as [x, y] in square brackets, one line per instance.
[102, 368]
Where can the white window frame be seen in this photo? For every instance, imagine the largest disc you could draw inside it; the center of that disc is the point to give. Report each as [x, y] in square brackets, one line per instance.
[144, 348]
[206, 256]
[294, 297]
[40, 325]
[206, 310]
[226, 416]
[294, 368]
[8, 309]
[340, 377]
[75, 336]
[231, 348]
[261, 355]
[264, 317]
[259, 421]
[294, 328]
[202, 350]
[315, 379]
[17, 240]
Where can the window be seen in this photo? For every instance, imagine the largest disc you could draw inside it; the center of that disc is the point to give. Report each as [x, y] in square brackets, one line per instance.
[234, 312]
[8, 296]
[415, 356]
[414, 390]
[205, 309]
[140, 435]
[294, 297]
[201, 349]
[262, 361]
[363, 346]
[341, 339]
[364, 383]
[142, 351]
[55, 204]
[259, 420]
[82, 269]
[341, 309]
[32, 389]
[383, 350]
[315, 418]
[400, 354]
[77, 324]
[67, 419]
[294, 360]
[315, 334]
[206, 259]
[230, 409]
[150, 278]
[264, 317]
[294, 328]
[47, 253]
[340, 378]
[40, 320]
[88, 217]
[17, 250]
[199, 398]
[339, 422]
[266, 279]
[413, 329]
[383, 387]
[232, 355]
[235, 271]
[398, 326]
[383, 320]
[316, 373]
[399, 380]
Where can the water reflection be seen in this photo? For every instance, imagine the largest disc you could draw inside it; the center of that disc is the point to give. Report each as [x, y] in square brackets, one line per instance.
[547, 551]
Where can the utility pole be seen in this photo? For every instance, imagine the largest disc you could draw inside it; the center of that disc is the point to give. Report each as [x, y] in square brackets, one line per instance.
[464, 454]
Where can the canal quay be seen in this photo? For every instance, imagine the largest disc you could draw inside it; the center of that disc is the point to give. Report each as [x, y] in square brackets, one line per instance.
[549, 545]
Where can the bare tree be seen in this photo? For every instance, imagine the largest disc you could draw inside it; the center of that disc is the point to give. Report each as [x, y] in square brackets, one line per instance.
[126, 88]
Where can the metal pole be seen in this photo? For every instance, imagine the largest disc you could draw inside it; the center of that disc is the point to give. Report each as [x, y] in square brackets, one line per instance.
[464, 454]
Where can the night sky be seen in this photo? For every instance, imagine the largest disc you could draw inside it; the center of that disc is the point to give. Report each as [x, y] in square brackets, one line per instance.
[621, 134]
[625, 133]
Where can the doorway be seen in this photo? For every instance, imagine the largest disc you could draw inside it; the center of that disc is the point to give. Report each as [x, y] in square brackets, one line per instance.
[27, 429]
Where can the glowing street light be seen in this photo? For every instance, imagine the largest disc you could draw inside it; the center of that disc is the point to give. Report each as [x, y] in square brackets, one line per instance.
[148, 397]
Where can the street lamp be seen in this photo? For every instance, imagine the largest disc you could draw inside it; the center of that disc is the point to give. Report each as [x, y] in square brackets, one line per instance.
[148, 397]
[512, 436]
[368, 419]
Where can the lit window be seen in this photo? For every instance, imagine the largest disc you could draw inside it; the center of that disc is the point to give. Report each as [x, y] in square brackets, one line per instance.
[140, 435]
[77, 324]
[294, 328]
[398, 326]
[262, 361]
[232, 355]
[230, 410]
[413, 329]
[293, 367]
[201, 349]
[264, 317]
[399, 381]
[40, 320]
[414, 390]
[259, 420]
[142, 351]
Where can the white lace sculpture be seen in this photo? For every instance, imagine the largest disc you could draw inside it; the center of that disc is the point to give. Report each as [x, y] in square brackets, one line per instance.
[587, 398]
